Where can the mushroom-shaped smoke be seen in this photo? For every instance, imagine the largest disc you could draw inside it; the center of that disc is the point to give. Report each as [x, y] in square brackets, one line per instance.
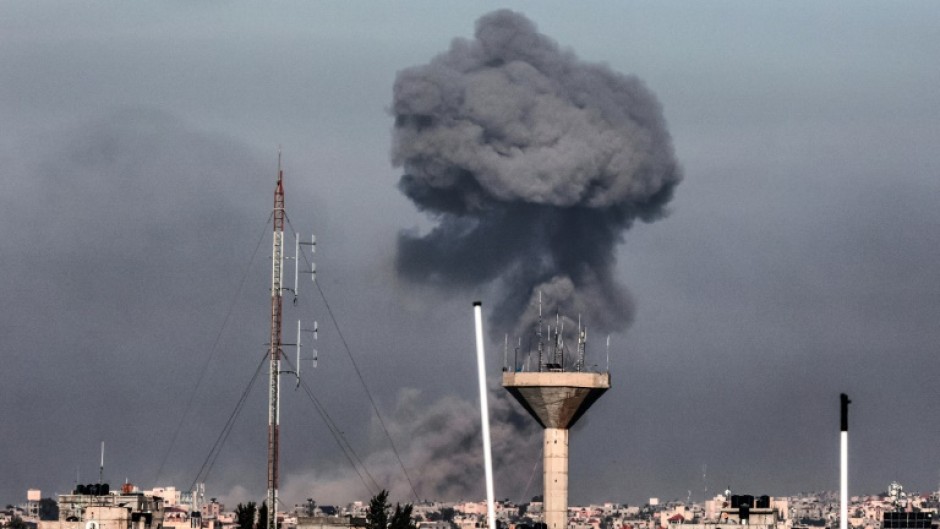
[533, 163]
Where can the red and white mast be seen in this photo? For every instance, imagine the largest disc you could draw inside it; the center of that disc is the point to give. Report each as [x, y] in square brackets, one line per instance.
[274, 353]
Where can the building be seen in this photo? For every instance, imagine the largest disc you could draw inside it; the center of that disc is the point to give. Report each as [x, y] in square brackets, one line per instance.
[33, 498]
[330, 522]
[761, 512]
[172, 497]
[95, 507]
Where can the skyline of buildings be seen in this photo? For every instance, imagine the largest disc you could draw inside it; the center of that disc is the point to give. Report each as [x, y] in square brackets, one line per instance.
[168, 507]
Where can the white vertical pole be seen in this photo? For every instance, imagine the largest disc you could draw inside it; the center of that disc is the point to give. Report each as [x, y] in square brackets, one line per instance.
[844, 481]
[844, 461]
[298, 353]
[485, 417]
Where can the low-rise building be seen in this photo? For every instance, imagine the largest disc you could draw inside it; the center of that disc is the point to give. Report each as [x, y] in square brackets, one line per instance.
[761, 512]
[94, 507]
[330, 522]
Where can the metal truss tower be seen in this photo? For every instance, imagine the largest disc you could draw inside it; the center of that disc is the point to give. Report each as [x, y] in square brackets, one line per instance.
[274, 353]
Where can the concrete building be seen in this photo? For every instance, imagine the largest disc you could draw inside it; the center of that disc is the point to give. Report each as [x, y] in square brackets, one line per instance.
[440, 524]
[424, 509]
[172, 497]
[81, 510]
[471, 507]
[33, 497]
[761, 512]
[177, 518]
[330, 522]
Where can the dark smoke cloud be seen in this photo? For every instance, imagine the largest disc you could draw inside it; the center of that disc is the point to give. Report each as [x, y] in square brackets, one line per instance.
[533, 163]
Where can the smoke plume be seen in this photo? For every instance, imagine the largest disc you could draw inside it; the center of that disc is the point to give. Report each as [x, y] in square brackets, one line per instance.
[533, 163]
[443, 454]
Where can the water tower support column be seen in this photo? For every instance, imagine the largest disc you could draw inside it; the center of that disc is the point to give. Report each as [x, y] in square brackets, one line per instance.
[555, 463]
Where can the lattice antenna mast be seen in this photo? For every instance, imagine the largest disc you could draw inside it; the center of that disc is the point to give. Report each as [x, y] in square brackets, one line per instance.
[274, 353]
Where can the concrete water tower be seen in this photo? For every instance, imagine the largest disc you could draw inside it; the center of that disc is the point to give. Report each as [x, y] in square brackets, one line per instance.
[556, 398]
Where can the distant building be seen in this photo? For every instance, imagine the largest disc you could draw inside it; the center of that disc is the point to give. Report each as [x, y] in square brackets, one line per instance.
[907, 520]
[330, 522]
[440, 524]
[94, 507]
[171, 496]
[213, 509]
[761, 512]
[33, 497]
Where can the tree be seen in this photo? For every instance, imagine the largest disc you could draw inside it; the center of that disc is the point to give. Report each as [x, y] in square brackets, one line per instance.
[245, 515]
[401, 518]
[263, 516]
[377, 515]
[17, 523]
[48, 509]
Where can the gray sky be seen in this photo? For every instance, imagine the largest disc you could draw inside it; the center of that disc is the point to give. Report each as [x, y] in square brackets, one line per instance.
[799, 259]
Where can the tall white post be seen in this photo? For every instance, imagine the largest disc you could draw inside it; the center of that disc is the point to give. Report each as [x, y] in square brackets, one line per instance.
[844, 461]
[485, 417]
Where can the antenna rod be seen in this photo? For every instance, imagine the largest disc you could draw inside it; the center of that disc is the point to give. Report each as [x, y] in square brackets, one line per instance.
[579, 363]
[297, 366]
[296, 264]
[101, 468]
[608, 353]
[277, 267]
[540, 330]
[485, 417]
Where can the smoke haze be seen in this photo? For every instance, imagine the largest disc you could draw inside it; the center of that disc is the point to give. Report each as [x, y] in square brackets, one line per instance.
[533, 163]
[440, 444]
